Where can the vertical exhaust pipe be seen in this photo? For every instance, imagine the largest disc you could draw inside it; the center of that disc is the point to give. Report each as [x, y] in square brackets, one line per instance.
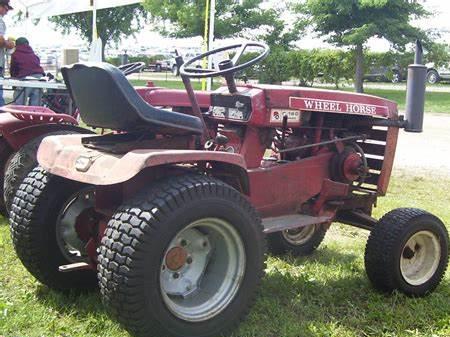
[415, 93]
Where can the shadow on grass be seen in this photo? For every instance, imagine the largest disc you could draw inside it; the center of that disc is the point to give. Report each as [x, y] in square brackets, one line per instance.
[326, 294]
[76, 302]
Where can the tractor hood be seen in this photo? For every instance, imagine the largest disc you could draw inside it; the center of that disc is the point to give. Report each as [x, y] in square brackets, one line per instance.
[332, 101]
[65, 156]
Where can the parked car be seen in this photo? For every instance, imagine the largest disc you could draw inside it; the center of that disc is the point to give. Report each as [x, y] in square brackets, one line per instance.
[436, 74]
[161, 62]
[385, 74]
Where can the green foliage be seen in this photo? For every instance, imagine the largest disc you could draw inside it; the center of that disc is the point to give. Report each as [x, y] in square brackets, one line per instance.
[274, 69]
[354, 22]
[146, 59]
[113, 24]
[334, 65]
[233, 18]
[439, 54]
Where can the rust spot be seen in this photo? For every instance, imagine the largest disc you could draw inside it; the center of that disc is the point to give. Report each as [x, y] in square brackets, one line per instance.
[176, 258]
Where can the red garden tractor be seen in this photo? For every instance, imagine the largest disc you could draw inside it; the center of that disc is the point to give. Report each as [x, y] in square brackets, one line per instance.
[170, 215]
[22, 129]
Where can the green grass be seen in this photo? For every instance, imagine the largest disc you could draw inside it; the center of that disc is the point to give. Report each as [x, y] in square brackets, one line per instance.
[434, 101]
[327, 294]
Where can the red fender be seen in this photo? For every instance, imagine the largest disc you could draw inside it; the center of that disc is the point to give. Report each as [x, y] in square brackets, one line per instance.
[65, 156]
[17, 132]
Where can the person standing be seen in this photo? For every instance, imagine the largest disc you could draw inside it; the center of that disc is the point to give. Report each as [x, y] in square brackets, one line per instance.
[5, 44]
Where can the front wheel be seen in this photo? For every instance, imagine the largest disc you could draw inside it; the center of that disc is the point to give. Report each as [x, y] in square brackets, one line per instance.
[299, 242]
[182, 258]
[407, 251]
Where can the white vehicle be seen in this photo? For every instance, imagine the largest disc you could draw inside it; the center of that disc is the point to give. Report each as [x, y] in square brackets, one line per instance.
[436, 74]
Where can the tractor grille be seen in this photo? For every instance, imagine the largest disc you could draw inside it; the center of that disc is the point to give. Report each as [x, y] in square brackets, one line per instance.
[374, 148]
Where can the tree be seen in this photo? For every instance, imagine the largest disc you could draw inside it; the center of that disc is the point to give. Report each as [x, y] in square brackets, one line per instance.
[112, 23]
[353, 22]
[233, 19]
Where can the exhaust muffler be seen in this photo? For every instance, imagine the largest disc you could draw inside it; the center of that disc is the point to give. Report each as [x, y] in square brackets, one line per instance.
[415, 93]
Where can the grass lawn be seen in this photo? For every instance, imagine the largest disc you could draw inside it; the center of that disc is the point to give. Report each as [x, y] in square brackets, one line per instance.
[327, 294]
[434, 101]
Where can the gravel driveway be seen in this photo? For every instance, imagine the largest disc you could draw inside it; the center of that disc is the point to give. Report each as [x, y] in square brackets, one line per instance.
[427, 151]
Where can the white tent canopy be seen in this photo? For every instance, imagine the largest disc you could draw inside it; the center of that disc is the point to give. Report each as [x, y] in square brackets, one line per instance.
[37, 9]
[45, 8]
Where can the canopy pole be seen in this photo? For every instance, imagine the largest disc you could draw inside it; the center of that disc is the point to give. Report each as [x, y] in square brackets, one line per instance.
[205, 42]
[94, 20]
[211, 40]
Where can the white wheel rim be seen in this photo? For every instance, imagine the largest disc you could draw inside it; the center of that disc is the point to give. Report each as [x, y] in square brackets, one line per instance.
[67, 238]
[420, 258]
[202, 270]
[299, 236]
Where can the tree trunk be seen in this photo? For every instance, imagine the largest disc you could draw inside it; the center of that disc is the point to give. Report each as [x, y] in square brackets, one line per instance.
[359, 69]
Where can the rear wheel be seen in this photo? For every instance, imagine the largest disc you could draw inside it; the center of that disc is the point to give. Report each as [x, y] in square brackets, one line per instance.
[20, 164]
[407, 251]
[183, 258]
[46, 231]
[300, 241]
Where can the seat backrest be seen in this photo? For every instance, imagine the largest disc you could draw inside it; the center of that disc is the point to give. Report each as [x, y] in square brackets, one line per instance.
[107, 100]
[102, 94]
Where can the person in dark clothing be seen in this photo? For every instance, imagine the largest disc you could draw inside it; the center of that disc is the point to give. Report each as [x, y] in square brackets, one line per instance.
[25, 63]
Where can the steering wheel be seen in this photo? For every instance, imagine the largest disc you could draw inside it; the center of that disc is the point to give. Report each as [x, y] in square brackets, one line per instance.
[131, 68]
[227, 67]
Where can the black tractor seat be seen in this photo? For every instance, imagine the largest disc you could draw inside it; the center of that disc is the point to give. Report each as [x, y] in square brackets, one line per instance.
[107, 100]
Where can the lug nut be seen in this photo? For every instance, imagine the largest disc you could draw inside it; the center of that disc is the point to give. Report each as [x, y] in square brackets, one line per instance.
[205, 244]
[189, 260]
[176, 275]
[183, 243]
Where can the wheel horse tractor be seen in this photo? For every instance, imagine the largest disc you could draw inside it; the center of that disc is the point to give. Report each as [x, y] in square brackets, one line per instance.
[22, 129]
[169, 214]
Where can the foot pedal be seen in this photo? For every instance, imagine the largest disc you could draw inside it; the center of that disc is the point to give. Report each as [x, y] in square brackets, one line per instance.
[74, 267]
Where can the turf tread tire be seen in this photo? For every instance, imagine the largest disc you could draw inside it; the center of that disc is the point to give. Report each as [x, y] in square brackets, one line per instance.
[33, 213]
[20, 164]
[128, 239]
[384, 241]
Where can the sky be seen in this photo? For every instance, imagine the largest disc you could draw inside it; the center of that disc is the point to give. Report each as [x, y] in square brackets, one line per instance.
[45, 35]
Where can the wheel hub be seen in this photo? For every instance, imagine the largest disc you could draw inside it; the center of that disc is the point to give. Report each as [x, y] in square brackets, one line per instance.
[202, 269]
[73, 224]
[176, 258]
[420, 257]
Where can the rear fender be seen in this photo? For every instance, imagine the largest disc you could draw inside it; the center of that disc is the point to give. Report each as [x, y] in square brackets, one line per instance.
[17, 132]
[65, 156]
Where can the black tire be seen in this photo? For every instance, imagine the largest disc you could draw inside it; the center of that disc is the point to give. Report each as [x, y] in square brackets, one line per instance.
[387, 246]
[5, 155]
[20, 164]
[33, 219]
[433, 77]
[134, 245]
[288, 242]
[158, 68]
